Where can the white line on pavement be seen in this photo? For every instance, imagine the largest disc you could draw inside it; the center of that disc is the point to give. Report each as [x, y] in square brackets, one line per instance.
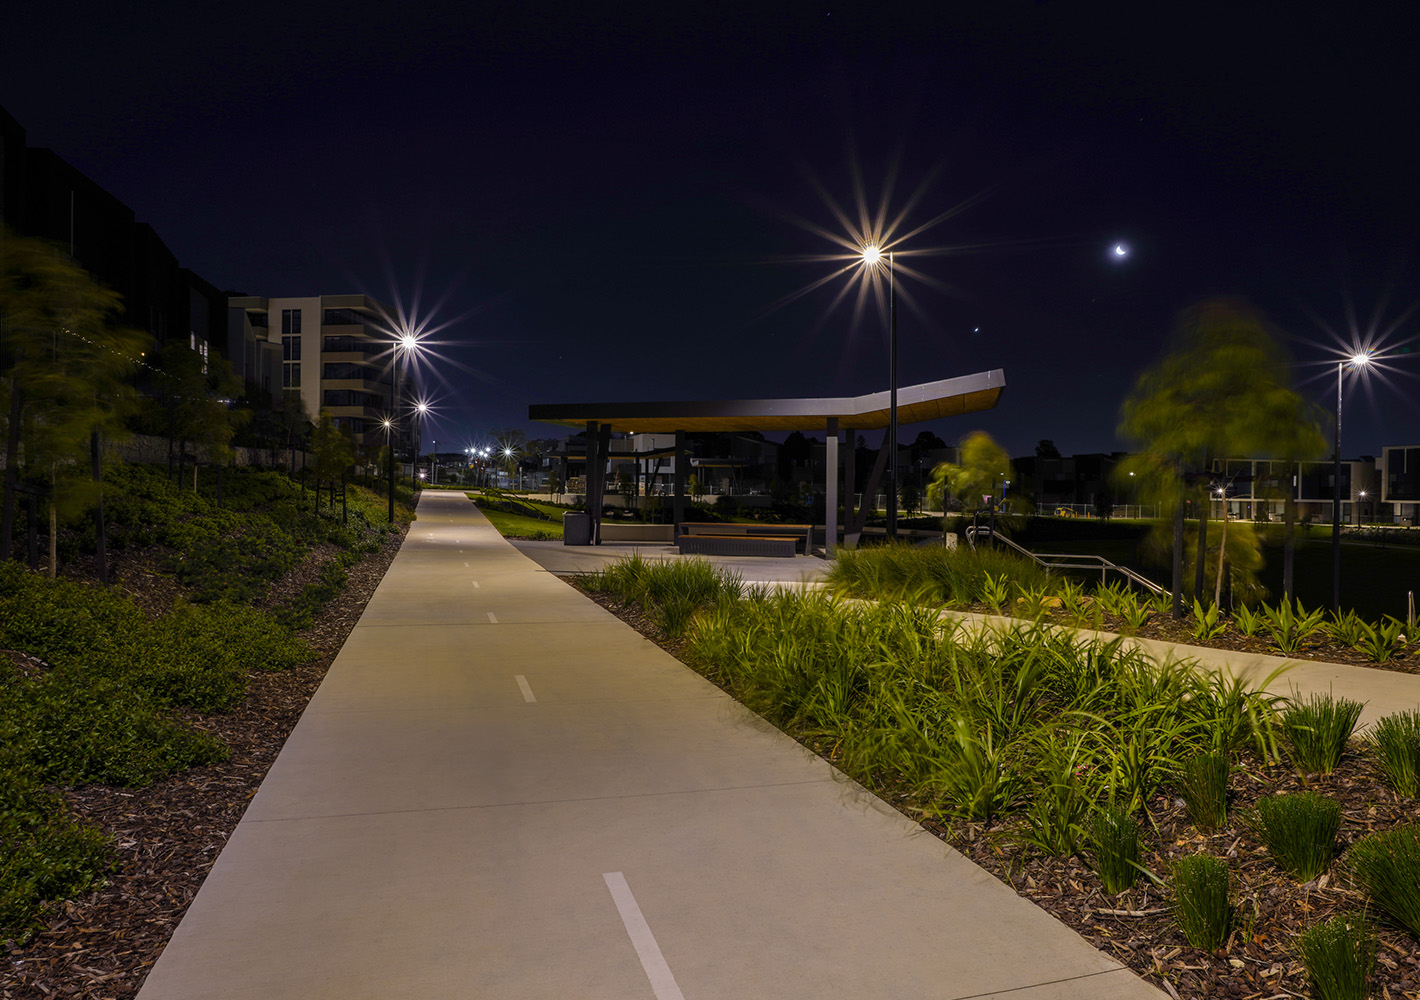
[523, 685]
[662, 982]
[475, 583]
[465, 564]
[492, 619]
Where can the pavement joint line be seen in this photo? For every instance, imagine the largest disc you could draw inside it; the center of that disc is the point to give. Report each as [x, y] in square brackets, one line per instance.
[830, 777]
[663, 982]
[525, 688]
[1036, 986]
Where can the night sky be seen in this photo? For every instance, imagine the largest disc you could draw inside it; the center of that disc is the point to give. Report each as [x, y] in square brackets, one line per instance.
[621, 201]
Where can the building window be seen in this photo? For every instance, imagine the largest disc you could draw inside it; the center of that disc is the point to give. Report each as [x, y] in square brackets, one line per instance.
[291, 348]
[290, 321]
[291, 375]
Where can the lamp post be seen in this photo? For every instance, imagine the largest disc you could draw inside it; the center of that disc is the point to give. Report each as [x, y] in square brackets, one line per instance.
[434, 464]
[1358, 360]
[389, 447]
[873, 257]
[420, 409]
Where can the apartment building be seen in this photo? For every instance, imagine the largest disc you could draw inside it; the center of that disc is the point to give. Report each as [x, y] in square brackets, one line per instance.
[332, 352]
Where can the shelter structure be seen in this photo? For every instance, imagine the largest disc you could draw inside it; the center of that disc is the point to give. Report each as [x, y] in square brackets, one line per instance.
[915, 403]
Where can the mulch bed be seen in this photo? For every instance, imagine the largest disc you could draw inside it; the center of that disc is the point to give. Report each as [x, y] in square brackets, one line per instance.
[1259, 961]
[167, 836]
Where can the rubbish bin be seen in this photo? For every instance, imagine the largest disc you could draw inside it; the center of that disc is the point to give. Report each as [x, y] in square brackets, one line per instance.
[576, 528]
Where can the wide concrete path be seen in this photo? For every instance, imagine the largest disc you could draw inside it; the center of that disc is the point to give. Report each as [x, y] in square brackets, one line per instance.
[502, 791]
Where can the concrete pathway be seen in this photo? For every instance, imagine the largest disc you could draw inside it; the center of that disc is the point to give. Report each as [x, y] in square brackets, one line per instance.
[502, 791]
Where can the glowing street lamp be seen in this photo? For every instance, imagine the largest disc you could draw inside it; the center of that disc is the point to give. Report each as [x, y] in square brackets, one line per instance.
[1357, 361]
[420, 408]
[389, 447]
[873, 256]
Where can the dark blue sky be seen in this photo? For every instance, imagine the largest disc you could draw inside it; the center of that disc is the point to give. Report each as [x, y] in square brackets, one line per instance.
[601, 195]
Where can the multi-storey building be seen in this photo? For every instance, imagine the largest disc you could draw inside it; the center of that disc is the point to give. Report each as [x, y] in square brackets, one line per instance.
[1256, 489]
[1400, 482]
[332, 352]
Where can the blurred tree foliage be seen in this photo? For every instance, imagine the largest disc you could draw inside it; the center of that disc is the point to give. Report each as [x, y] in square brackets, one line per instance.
[67, 377]
[983, 464]
[1221, 391]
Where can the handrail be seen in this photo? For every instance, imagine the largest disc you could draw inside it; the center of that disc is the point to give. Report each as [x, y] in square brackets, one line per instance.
[1096, 562]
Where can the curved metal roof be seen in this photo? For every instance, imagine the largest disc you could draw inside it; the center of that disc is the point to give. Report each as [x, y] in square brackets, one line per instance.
[915, 403]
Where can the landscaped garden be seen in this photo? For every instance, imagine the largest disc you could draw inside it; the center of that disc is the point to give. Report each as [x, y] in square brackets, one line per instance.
[1220, 841]
[137, 719]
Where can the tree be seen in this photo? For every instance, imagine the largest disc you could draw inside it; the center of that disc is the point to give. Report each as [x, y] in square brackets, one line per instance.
[983, 463]
[1045, 448]
[334, 453]
[67, 366]
[1221, 390]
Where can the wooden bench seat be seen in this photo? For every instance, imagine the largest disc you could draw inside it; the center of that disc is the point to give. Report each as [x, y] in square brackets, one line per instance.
[735, 544]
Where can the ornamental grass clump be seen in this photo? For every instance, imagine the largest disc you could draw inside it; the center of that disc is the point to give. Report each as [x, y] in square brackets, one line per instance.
[1299, 831]
[1203, 907]
[1395, 743]
[1114, 835]
[1203, 782]
[1386, 866]
[1316, 731]
[1339, 956]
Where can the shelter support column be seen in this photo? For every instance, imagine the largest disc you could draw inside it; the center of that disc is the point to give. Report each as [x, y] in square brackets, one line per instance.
[593, 480]
[678, 502]
[850, 471]
[830, 476]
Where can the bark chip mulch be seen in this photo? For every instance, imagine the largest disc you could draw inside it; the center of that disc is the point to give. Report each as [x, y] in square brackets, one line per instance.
[167, 836]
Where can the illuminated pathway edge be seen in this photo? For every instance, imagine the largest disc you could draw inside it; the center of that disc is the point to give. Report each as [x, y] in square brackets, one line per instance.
[502, 791]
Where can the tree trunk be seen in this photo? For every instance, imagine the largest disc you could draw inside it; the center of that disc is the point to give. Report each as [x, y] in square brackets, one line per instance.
[1199, 569]
[53, 525]
[100, 543]
[12, 472]
[1178, 558]
[1222, 556]
[1289, 546]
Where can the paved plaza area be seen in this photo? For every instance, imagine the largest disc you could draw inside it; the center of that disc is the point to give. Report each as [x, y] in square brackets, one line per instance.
[500, 790]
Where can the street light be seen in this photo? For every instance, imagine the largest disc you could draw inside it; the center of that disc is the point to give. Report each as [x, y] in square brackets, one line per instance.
[389, 447]
[873, 257]
[1358, 360]
[421, 408]
[434, 463]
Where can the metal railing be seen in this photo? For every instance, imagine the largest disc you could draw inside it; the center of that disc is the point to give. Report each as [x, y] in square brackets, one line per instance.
[1065, 560]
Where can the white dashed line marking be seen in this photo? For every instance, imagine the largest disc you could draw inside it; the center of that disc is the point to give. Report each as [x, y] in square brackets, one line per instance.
[523, 686]
[475, 583]
[492, 619]
[662, 982]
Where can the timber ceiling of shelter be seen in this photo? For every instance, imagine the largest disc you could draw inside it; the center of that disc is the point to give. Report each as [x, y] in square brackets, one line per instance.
[915, 403]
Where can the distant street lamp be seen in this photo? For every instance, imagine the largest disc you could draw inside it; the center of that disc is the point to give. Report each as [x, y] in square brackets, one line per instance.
[389, 447]
[873, 257]
[420, 408]
[434, 463]
[1357, 361]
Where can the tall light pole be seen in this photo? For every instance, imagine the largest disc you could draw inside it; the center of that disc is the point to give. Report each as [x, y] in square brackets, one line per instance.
[1358, 360]
[389, 447]
[434, 464]
[873, 257]
[420, 408]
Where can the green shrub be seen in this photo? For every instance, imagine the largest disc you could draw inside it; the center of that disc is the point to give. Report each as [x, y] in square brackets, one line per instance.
[1205, 621]
[1203, 906]
[1386, 866]
[1381, 642]
[1316, 731]
[1395, 742]
[1114, 834]
[1203, 782]
[44, 855]
[1339, 956]
[1299, 831]
[1289, 628]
